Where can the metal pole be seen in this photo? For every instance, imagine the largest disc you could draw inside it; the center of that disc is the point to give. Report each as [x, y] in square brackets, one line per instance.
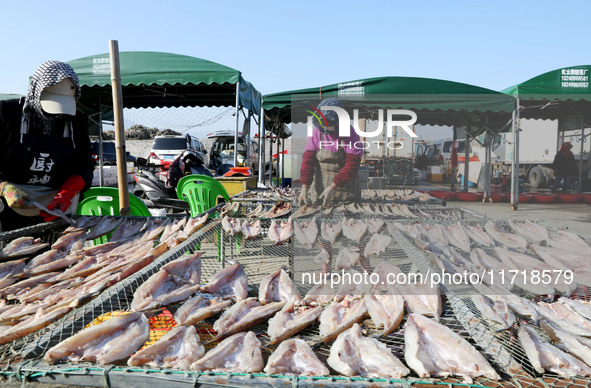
[237, 122]
[453, 169]
[100, 125]
[119, 129]
[282, 162]
[261, 144]
[581, 157]
[277, 166]
[270, 158]
[487, 164]
[466, 160]
[515, 161]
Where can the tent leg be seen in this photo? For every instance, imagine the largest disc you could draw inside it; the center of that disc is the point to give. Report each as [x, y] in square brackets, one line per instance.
[453, 169]
[581, 158]
[466, 161]
[515, 160]
[261, 173]
[237, 123]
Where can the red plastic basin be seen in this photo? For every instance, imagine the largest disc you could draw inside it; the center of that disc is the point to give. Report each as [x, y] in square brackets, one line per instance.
[544, 198]
[497, 197]
[569, 197]
[443, 194]
[468, 197]
[523, 197]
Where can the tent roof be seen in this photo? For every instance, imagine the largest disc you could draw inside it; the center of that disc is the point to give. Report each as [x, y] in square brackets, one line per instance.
[9, 96]
[560, 93]
[436, 102]
[569, 83]
[158, 79]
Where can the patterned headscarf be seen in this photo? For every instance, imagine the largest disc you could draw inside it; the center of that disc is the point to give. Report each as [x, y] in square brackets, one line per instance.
[48, 74]
[330, 115]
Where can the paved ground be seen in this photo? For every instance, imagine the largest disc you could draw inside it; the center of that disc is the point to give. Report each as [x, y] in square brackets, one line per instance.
[576, 217]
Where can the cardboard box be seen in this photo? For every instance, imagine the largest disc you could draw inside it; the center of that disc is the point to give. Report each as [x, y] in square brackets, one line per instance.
[433, 170]
[436, 178]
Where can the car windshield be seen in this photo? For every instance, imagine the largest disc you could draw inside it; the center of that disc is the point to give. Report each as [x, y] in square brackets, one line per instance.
[108, 148]
[225, 144]
[173, 143]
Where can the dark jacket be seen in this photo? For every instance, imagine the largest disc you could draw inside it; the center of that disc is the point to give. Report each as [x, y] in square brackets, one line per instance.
[45, 160]
[564, 166]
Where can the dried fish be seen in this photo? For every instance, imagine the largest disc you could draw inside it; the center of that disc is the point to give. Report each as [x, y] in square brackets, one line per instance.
[306, 232]
[277, 287]
[22, 246]
[291, 320]
[434, 350]
[251, 229]
[352, 354]
[280, 232]
[545, 357]
[240, 353]
[198, 308]
[179, 348]
[295, 357]
[174, 282]
[111, 340]
[230, 282]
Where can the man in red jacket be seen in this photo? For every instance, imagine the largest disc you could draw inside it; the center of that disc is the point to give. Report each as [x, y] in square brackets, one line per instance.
[330, 163]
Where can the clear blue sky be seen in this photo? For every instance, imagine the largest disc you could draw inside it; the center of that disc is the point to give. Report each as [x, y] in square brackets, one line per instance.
[284, 45]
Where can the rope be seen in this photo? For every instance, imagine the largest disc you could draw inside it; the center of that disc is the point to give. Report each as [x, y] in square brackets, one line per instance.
[106, 376]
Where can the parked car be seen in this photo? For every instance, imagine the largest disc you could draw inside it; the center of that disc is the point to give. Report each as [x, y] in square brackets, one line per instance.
[109, 153]
[167, 147]
[222, 151]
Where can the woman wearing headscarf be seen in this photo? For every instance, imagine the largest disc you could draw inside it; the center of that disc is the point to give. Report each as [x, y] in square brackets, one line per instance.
[564, 166]
[45, 154]
[330, 163]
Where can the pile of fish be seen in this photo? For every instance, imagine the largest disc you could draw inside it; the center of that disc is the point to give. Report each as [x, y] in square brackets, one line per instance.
[397, 195]
[354, 252]
[38, 288]
[431, 349]
[390, 210]
[555, 336]
[272, 193]
[499, 253]
[279, 209]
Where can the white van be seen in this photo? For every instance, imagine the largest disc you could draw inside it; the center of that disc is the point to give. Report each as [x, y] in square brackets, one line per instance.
[222, 151]
[438, 153]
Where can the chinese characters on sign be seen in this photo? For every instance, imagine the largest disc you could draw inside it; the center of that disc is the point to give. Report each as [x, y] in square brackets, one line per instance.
[574, 78]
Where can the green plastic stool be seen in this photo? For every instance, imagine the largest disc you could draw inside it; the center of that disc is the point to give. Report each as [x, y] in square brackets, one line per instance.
[104, 201]
[201, 191]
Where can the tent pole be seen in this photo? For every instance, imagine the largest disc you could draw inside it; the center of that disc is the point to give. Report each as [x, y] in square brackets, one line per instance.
[282, 161]
[277, 166]
[515, 159]
[119, 129]
[466, 161]
[488, 168]
[237, 122]
[271, 159]
[100, 124]
[261, 149]
[581, 157]
[453, 169]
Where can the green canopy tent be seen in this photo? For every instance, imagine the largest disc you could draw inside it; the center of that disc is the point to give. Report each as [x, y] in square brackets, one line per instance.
[159, 79]
[9, 96]
[436, 102]
[562, 94]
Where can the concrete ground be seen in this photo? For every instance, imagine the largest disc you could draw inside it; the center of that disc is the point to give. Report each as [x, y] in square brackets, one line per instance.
[575, 217]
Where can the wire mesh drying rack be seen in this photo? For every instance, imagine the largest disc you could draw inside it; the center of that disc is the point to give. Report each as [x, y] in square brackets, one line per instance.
[21, 360]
